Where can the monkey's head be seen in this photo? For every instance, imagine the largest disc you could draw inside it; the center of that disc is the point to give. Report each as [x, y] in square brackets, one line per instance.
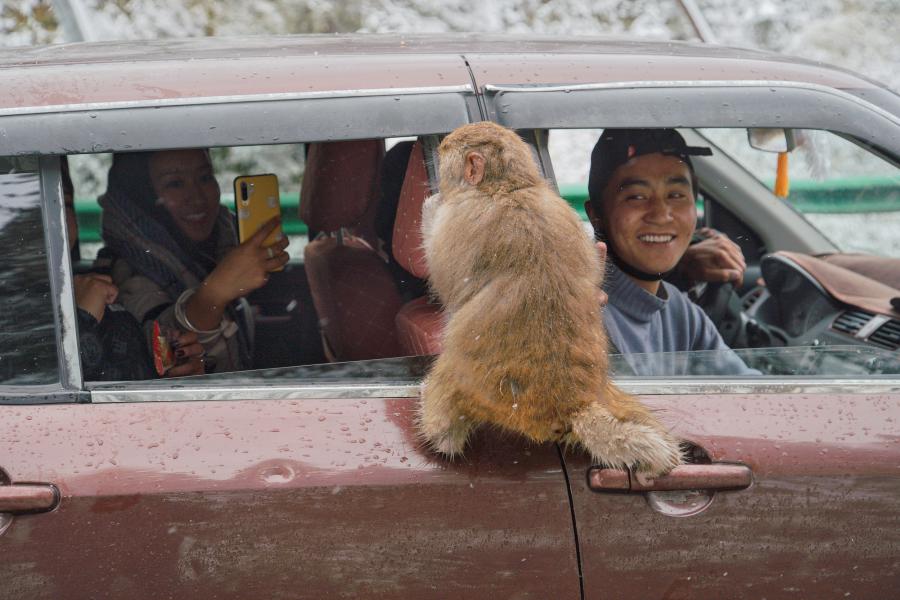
[485, 156]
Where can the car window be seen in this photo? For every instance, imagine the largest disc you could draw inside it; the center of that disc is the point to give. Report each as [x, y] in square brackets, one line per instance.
[330, 194]
[788, 318]
[851, 194]
[27, 339]
[297, 319]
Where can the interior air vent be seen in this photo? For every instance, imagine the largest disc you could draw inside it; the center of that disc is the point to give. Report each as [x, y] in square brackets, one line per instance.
[851, 321]
[888, 335]
[751, 298]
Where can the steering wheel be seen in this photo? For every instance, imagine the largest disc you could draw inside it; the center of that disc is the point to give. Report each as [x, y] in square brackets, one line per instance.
[723, 306]
[719, 301]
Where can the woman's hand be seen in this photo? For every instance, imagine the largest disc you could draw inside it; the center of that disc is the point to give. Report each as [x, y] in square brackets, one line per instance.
[246, 268]
[188, 355]
[93, 292]
[241, 271]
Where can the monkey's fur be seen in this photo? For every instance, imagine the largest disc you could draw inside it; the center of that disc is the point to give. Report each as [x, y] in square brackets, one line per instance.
[524, 347]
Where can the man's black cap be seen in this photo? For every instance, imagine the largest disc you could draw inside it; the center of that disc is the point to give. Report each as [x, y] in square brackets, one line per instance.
[617, 146]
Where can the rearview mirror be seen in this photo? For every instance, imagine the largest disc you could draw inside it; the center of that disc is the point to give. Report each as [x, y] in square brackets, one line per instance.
[771, 139]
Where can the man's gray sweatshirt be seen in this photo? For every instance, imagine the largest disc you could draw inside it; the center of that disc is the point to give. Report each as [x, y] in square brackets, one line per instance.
[642, 325]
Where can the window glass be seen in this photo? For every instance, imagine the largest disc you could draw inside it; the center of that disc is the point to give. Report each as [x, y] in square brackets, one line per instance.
[317, 312]
[792, 324]
[147, 244]
[27, 328]
[850, 194]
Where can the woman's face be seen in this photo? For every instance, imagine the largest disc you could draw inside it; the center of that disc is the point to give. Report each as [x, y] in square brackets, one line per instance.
[649, 211]
[183, 180]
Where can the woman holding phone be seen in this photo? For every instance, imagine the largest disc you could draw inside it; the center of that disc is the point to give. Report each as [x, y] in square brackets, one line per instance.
[175, 252]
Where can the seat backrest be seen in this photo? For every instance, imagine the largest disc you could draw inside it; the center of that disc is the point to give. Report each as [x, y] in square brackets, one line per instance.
[352, 288]
[407, 242]
[419, 322]
[340, 183]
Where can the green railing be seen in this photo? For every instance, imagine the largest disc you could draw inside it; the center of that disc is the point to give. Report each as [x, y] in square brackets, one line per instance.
[850, 195]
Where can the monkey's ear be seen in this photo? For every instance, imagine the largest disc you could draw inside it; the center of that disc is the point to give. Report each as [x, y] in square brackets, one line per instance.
[474, 167]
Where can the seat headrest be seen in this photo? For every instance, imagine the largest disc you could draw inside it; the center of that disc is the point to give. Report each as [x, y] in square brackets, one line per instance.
[340, 182]
[407, 242]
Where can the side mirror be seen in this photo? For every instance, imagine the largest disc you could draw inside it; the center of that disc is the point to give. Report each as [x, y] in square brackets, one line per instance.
[771, 139]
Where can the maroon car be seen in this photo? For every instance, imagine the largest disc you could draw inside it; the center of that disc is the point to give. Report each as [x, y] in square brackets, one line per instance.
[303, 477]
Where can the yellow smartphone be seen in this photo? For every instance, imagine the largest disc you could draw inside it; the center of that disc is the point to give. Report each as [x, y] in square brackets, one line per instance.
[256, 200]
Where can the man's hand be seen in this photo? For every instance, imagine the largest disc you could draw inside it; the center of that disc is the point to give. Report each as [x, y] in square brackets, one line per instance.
[93, 292]
[188, 355]
[602, 297]
[715, 259]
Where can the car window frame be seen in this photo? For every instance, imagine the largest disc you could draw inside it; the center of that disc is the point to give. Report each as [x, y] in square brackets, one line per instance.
[72, 387]
[424, 112]
[729, 104]
[68, 387]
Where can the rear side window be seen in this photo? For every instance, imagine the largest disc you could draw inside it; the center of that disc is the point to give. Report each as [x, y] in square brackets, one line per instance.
[27, 330]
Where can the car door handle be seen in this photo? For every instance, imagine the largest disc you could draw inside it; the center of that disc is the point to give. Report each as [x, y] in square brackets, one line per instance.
[26, 498]
[716, 476]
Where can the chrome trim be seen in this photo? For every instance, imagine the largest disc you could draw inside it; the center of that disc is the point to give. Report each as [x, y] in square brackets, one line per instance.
[696, 84]
[281, 392]
[106, 393]
[59, 268]
[207, 100]
[760, 385]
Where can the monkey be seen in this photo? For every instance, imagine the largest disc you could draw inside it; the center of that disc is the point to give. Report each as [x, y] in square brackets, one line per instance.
[524, 347]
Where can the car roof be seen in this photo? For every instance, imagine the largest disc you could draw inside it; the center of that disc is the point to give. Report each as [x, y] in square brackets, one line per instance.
[85, 73]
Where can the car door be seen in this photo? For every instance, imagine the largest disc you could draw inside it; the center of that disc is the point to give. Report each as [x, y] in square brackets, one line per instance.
[793, 491]
[273, 494]
[310, 483]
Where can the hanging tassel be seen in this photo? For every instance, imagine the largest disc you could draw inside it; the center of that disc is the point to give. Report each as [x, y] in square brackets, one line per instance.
[782, 181]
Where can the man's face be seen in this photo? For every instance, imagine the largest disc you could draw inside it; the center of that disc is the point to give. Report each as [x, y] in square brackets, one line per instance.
[648, 212]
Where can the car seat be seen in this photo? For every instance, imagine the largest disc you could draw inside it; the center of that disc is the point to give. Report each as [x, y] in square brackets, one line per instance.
[351, 285]
[419, 322]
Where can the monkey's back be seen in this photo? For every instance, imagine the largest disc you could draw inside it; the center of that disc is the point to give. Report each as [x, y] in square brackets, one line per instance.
[525, 336]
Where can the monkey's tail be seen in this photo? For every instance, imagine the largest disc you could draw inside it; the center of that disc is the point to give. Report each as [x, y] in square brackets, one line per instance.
[642, 444]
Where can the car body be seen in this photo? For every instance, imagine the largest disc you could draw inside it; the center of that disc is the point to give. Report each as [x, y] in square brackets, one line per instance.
[310, 481]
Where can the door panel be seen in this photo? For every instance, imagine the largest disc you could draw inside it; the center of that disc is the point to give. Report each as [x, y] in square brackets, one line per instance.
[820, 519]
[278, 499]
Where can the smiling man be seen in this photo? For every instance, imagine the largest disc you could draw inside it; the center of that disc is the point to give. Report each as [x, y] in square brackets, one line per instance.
[642, 191]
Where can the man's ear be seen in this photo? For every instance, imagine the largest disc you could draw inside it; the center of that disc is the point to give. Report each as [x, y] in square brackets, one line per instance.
[473, 172]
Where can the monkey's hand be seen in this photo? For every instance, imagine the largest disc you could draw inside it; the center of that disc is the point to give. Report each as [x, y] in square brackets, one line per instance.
[441, 426]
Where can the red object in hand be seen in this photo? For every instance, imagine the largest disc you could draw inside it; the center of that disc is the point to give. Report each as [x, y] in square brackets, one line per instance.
[163, 358]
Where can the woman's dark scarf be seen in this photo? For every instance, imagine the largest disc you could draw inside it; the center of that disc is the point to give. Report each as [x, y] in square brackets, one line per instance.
[136, 228]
